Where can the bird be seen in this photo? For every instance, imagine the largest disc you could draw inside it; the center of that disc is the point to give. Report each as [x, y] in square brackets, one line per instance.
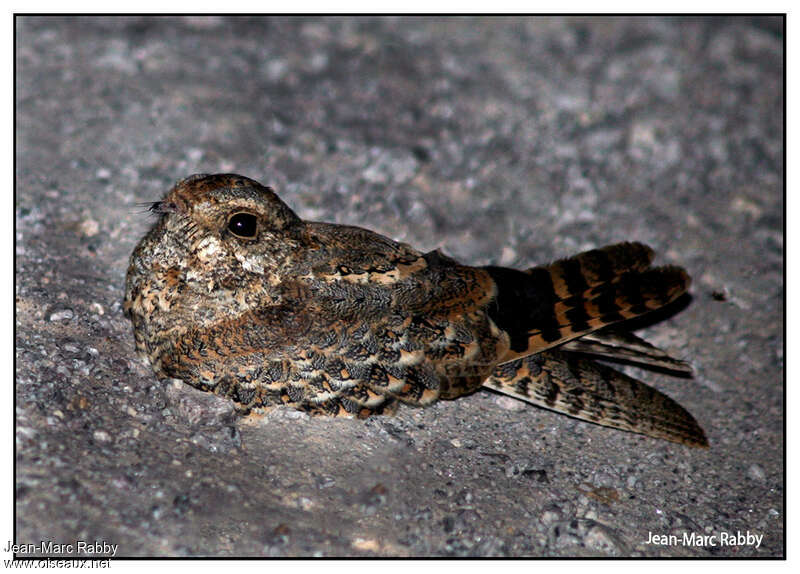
[233, 293]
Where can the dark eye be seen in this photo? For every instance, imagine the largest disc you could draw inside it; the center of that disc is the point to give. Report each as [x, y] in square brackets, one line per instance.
[243, 225]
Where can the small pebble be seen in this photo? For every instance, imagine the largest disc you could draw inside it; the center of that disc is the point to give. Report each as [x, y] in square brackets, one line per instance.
[101, 436]
[368, 545]
[62, 315]
[194, 154]
[604, 479]
[604, 540]
[508, 255]
[756, 472]
[89, 227]
[550, 517]
[510, 404]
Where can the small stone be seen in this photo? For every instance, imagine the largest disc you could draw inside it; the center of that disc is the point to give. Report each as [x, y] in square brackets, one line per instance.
[199, 408]
[318, 61]
[464, 497]
[509, 404]
[101, 436]
[507, 255]
[367, 545]
[744, 205]
[89, 227]
[276, 70]
[373, 174]
[603, 479]
[513, 469]
[62, 315]
[291, 414]
[103, 173]
[603, 539]
[756, 472]
[194, 154]
[550, 516]
[324, 482]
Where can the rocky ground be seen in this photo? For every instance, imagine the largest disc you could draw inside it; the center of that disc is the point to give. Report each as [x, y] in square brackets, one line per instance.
[511, 141]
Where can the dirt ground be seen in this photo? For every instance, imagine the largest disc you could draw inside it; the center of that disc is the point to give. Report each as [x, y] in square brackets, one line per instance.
[510, 141]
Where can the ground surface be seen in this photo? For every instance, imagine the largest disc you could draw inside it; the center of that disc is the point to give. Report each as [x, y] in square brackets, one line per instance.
[509, 141]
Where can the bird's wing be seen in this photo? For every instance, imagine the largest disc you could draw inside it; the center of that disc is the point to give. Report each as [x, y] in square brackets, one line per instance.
[393, 274]
[623, 346]
[575, 386]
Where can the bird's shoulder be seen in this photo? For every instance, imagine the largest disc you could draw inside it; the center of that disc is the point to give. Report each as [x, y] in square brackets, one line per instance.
[358, 255]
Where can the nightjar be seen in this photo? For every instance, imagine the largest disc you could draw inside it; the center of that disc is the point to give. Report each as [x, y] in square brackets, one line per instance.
[233, 293]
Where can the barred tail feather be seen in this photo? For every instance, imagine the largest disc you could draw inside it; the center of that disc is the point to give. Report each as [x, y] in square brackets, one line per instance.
[547, 306]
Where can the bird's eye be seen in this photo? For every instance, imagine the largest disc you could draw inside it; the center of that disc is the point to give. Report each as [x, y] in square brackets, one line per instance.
[243, 225]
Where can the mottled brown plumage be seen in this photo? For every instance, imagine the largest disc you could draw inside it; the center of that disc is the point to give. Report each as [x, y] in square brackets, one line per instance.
[233, 293]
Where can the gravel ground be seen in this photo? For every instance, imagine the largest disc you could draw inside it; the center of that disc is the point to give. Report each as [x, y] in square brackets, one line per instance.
[510, 141]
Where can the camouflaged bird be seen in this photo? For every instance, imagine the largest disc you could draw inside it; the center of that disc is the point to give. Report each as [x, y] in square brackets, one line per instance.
[235, 294]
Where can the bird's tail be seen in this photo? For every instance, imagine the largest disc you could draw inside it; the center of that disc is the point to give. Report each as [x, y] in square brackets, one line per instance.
[549, 305]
